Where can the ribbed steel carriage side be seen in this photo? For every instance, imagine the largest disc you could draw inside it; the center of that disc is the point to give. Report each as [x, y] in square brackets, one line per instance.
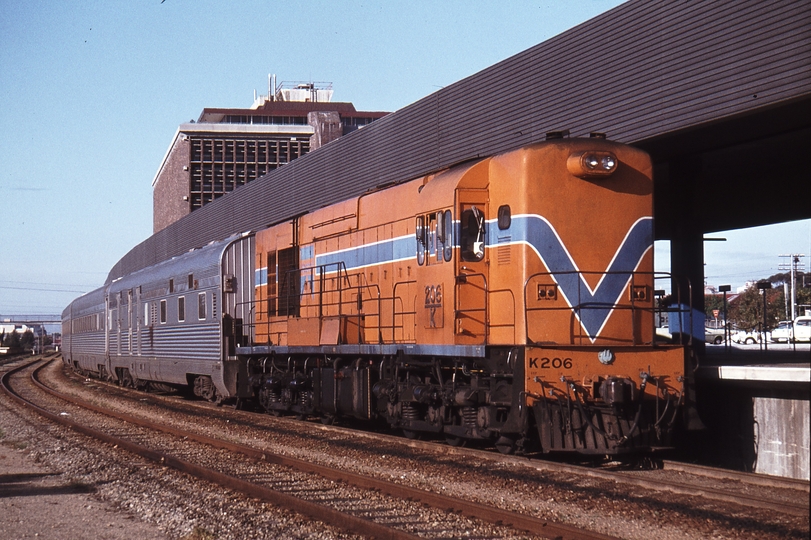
[174, 351]
[85, 349]
[179, 351]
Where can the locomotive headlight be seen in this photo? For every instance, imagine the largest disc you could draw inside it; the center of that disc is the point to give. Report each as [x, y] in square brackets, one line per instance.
[592, 164]
[608, 163]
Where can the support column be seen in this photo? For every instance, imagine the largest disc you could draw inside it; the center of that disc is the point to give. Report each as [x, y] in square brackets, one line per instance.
[687, 268]
[687, 240]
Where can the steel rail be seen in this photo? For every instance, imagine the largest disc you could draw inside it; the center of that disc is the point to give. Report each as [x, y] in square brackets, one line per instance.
[318, 512]
[663, 485]
[484, 512]
[743, 477]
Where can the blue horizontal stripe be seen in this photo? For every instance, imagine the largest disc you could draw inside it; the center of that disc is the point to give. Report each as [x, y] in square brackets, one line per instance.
[387, 251]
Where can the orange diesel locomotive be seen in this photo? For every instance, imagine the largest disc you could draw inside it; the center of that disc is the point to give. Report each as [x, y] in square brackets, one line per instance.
[508, 300]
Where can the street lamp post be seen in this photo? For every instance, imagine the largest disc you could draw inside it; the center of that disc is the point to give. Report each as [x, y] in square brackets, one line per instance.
[725, 289]
[764, 286]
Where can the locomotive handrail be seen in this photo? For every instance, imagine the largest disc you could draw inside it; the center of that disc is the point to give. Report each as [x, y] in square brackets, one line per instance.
[490, 325]
[577, 306]
[486, 293]
[338, 282]
[403, 313]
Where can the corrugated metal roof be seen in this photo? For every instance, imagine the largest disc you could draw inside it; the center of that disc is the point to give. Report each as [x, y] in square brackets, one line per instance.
[638, 71]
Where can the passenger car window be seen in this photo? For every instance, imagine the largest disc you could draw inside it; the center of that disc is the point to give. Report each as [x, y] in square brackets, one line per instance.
[201, 306]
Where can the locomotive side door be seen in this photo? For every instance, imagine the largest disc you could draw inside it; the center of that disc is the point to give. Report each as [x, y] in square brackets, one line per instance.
[472, 267]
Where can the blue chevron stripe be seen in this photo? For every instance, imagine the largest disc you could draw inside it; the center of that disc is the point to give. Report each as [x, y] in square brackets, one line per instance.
[592, 307]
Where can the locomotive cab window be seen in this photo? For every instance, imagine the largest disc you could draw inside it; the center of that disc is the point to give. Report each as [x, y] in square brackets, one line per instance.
[472, 232]
[447, 229]
[181, 308]
[434, 234]
[504, 217]
[201, 306]
[422, 239]
[163, 311]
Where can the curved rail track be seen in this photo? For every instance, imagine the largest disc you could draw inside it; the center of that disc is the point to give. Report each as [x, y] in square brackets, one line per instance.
[173, 448]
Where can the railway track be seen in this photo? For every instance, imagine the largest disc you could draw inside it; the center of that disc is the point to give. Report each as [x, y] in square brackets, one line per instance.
[301, 486]
[787, 495]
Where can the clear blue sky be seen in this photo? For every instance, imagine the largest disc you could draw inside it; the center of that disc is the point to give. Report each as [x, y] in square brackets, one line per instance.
[91, 94]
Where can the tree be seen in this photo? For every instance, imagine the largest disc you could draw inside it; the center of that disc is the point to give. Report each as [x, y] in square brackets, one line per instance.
[27, 340]
[711, 303]
[746, 311]
[12, 340]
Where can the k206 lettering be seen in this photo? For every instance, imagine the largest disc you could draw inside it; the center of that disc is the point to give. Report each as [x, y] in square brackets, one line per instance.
[550, 363]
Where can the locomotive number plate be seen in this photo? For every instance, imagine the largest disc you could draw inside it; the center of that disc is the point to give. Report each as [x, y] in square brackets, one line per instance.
[550, 363]
[433, 306]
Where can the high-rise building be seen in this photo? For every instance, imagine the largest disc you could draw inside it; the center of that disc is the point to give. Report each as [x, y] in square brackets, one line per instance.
[227, 148]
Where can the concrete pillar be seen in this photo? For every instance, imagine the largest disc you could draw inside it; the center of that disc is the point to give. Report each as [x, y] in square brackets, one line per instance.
[687, 239]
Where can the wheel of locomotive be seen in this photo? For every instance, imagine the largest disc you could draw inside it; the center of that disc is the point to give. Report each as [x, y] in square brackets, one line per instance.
[506, 445]
[327, 419]
[458, 442]
[411, 434]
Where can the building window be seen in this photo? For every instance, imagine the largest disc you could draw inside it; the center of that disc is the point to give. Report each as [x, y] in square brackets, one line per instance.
[219, 166]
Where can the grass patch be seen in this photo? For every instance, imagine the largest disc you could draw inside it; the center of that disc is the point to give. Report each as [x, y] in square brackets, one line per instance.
[16, 445]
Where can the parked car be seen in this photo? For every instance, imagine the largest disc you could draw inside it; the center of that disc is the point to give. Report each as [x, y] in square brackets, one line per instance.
[784, 332]
[748, 338]
[714, 335]
[797, 330]
[802, 328]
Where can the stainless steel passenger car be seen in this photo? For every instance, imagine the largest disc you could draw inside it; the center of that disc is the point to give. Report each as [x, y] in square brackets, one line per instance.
[176, 322]
[84, 331]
